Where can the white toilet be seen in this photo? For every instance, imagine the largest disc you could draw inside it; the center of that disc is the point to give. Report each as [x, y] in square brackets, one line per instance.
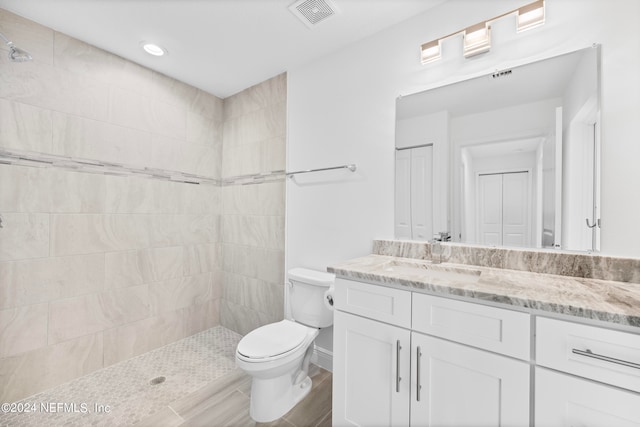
[277, 355]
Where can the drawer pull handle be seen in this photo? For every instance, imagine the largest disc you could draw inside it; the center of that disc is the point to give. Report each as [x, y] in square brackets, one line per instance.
[589, 353]
[418, 385]
[398, 379]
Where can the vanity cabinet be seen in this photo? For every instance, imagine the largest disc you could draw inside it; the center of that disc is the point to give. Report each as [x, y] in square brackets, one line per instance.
[390, 369]
[586, 375]
[456, 385]
[371, 374]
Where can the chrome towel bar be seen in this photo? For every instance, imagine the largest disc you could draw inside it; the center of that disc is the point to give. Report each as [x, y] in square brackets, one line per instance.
[351, 167]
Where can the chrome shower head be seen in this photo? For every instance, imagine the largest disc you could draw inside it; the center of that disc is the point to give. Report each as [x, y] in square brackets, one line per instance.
[18, 55]
[15, 53]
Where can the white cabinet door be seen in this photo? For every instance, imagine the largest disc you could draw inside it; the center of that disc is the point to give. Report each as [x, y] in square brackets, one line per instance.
[563, 401]
[456, 385]
[370, 381]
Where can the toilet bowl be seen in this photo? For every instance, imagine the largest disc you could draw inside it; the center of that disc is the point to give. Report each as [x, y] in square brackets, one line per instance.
[277, 355]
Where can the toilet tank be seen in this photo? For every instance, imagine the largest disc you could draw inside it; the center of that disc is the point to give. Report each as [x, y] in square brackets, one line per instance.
[306, 297]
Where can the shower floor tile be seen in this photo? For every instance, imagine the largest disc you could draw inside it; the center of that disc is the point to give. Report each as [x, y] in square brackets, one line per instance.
[122, 394]
[201, 387]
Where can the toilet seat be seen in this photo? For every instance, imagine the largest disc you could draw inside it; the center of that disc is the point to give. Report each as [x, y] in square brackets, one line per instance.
[273, 341]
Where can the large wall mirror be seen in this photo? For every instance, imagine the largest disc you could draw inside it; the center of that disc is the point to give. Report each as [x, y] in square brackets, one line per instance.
[507, 159]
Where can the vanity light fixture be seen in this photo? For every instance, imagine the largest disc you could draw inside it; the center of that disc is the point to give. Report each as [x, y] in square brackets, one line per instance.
[477, 38]
[530, 16]
[153, 49]
[431, 51]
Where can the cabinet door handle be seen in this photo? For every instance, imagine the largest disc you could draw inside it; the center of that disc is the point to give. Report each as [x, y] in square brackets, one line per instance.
[398, 348]
[418, 386]
[589, 353]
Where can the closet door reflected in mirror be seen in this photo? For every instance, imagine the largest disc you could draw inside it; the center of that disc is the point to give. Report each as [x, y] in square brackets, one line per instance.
[414, 193]
[542, 117]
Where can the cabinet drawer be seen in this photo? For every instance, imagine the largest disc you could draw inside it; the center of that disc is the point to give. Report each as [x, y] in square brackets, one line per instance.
[565, 400]
[605, 355]
[490, 328]
[374, 301]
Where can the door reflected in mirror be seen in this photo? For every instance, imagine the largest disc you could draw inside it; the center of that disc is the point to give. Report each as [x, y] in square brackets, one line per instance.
[514, 156]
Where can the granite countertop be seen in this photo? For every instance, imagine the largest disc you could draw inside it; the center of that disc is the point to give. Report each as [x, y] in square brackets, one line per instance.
[610, 301]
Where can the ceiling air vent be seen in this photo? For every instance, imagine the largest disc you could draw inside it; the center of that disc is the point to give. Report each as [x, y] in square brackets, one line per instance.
[312, 12]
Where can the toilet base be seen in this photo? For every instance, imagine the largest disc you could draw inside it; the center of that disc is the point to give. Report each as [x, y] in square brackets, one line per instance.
[272, 398]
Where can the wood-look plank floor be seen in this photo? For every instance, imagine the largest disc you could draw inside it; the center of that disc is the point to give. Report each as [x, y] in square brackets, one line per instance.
[225, 402]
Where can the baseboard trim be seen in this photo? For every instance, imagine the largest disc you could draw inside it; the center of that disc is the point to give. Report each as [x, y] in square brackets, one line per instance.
[323, 358]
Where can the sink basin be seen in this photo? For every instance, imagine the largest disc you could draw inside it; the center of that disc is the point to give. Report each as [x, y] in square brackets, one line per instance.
[425, 271]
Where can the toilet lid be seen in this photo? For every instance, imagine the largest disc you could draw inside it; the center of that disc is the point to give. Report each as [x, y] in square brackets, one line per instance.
[272, 339]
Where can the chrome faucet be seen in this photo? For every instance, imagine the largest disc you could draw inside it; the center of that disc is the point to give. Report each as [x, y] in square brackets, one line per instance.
[436, 246]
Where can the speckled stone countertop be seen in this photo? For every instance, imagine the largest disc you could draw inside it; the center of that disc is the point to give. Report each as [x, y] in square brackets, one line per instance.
[609, 301]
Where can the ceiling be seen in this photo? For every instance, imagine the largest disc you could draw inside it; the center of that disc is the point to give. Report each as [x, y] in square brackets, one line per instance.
[532, 82]
[220, 46]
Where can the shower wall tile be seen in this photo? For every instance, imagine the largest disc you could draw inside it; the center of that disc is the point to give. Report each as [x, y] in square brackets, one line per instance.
[28, 189]
[81, 234]
[24, 127]
[243, 319]
[243, 159]
[31, 372]
[23, 329]
[267, 198]
[256, 97]
[202, 316]
[75, 136]
[78, 57]
[180, 293]
[130, 340]
[172, 154]
[75, 317]
[24, 236]
[172, 230]
[207, 105]
[140, 112]
[257, 231]
[172, 91]
[23, 189]
[52, 88]
[256, 126]
[240, 259]
[253, 227]
[73, 192]
[41, 280]
[270, 264]
[200, 199]
[203, 258]
[204, 130]
[151, 196]
[256, 294]
[131, 268]
[136, 261]
[273, 153]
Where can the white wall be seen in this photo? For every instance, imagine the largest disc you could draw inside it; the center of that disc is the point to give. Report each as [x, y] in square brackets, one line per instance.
[342, 109]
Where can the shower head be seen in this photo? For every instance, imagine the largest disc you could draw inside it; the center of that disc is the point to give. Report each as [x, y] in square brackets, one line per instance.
[18, 55]
[15, 53]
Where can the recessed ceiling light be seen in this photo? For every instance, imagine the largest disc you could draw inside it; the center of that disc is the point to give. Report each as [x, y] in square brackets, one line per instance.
[153, 49]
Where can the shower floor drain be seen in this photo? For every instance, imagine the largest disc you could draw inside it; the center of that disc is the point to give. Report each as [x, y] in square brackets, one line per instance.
[157, 380]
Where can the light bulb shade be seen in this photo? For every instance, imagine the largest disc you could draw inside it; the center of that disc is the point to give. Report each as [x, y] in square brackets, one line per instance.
[430, 52]
[477, 39]
[530, 16]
